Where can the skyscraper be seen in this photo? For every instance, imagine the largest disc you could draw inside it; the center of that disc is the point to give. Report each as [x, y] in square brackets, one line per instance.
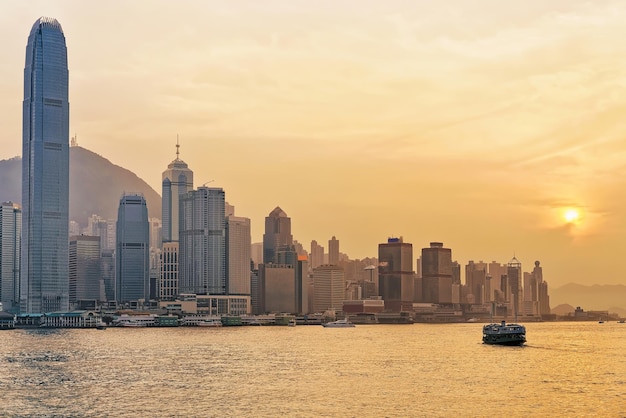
[277, 234]
[177, 181]
[84, 268]
[437, 274]
[45, 171]
[132, 255]
[395, 273]
[202, 259]
[238, 248]
[10, 236]
[333, 251]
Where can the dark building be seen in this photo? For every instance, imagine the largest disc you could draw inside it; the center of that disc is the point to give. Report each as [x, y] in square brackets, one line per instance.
[437, 273]
[395, 274]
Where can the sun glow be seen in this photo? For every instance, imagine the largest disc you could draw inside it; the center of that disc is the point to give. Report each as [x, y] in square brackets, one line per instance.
[571, 215]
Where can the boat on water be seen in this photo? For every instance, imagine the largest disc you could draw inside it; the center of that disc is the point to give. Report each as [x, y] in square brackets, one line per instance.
[292, 322]
[132, 324]
[340, 323]
[214, 323]
[504, 334]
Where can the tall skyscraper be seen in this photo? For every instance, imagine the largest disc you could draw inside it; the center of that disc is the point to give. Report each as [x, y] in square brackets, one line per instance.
[177, 181]
[437, 274]
[514, 278]
[317, 255]
[202, 259]
[133, 250]
[45, 171]
[238, 246]
[85, 274]
[395, 273]
[277, 234]
[10, 236]
[333, 251]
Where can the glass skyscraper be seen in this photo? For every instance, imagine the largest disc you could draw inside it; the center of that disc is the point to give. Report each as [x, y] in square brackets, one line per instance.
[45, 172]
[177, 181]
[10, 235]
[132, 263]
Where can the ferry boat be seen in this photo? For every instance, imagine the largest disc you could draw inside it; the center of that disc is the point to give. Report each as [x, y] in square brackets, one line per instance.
[213, 323]
[504, 334]
[341, 323]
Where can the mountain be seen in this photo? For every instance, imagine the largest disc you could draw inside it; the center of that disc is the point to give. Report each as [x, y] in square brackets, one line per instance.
[594, 297]
[563, 309]
[96, 186]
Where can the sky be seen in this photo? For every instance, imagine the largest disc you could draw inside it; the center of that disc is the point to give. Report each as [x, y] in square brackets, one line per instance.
[494, 127]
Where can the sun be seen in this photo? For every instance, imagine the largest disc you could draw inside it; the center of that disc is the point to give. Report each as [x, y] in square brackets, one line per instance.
[571, 215]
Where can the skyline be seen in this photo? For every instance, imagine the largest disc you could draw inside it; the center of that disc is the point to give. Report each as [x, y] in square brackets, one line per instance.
[349, 118]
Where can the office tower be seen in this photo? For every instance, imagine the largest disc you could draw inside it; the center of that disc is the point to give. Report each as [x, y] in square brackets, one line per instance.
[476, 280]
[496, 271]
[437, 274]
[333, 251]
[10, 236]
[177, 182]
[329, 288]
[317, 255]
[107, 270]
[514, 278]
[133, 250]
[238, 244]
[202, 258]
[74, 229]
[45, 172]
[279, 284]
[256, 252]
[168, 284]
[84, 268]
[277, 234]
[156, 230]
[302, 285]
[395, 274]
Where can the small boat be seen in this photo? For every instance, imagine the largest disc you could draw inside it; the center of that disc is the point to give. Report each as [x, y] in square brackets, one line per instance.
[101, 327]
[504, 334]
[292, 322]
[132, 324]
[341, 323]
[621, 321]
[214, 323]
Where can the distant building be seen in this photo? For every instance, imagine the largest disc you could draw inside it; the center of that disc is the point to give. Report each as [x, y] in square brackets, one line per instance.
[514, 285]
[202, 258]
[333, 251]
[10, 237]
[84, 269]
[107, 271]
[168, 283]
[476, 281]
[317, 255]
[177, 181]
[437, 274]
[396, 278]
[132, 250]
[238, 245]
[44, 283]
[280, 287]
[329, 288]
[277, 234]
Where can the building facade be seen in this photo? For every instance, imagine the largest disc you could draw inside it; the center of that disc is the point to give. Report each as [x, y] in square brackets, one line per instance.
[132, 252]
[10, 236]
[277, 234]
[177, 181]
[329, 288]
[238, 243]
[202, 258]
[85, 277]
[45, 171]
[396, 278]
[437, 274]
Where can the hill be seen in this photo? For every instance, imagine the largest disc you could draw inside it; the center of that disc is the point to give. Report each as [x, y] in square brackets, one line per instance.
[96, 185]
[594, 297]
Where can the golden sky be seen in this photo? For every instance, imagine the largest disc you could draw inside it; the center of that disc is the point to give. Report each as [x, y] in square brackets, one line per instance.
[475, 123]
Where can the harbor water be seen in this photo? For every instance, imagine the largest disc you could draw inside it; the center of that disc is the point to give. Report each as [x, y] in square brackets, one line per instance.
[566, 368]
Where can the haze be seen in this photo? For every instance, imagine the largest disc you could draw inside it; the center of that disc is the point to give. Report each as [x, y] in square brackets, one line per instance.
[494, 127]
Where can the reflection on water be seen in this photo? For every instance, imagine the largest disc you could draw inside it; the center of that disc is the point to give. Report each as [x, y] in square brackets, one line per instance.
[573, 369]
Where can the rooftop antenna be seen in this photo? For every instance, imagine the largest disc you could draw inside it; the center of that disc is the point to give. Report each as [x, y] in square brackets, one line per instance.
[74, 140]
[210, 181]
[177, 147]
